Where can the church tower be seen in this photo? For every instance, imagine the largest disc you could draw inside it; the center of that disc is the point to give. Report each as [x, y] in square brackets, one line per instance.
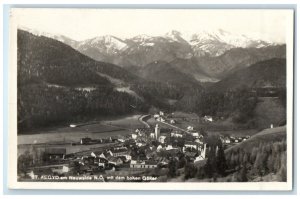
[203, 152]
[157, 132]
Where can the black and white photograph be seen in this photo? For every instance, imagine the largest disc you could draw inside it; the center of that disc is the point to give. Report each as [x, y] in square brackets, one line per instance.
[191, 99]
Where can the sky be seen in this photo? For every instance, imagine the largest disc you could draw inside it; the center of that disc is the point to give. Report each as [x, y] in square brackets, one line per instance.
[81, 24]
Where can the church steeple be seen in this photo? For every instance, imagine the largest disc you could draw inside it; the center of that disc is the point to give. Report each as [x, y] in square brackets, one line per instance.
[157, 132]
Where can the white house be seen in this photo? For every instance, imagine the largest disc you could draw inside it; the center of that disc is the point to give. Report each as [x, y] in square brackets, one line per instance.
[142, 164]
[159, 148]
[201, 155]
[156, 116]
[195, 134]
[198, 141]
[152, 135]
[162, 138]
[160, 119]
[161, 113]
[190, 128]
[227, 140]
[134, 136]
[121, 140]
[169, 147]
[176, 134]
[208, 118]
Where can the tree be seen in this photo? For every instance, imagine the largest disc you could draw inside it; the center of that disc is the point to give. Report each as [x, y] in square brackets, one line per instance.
[189, 171]
[210, 165]
[282, 173]
[172, 168]
[200, 173]
[182, 162]
[242, 174]
[221, 160]
[24, 162]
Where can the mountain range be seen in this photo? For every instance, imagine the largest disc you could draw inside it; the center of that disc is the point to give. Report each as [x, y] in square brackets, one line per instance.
[70, 82]
[264, 74]
[208, 55]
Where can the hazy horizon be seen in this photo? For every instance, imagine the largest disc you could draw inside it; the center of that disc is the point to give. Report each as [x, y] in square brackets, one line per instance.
[82, 24]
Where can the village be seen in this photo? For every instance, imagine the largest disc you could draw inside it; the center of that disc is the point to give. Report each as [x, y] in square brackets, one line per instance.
[138, 153]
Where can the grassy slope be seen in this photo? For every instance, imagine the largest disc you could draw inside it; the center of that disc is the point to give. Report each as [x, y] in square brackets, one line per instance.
[267, 135]
[269, 111]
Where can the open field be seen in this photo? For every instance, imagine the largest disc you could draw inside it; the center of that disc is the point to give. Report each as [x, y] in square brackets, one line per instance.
[94, 130]
[267, 135]
[83, 149]
[269, 110]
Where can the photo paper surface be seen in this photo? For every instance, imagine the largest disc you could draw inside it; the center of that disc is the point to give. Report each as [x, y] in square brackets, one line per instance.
[151, 99]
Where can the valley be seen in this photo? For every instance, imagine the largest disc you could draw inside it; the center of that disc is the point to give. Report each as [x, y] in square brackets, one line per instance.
[189, 108]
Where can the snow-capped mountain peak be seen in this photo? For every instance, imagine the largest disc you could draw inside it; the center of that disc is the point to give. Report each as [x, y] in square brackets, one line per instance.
[110, 42]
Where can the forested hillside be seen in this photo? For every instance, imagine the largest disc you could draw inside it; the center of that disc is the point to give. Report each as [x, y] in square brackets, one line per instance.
[261, 158]
[58, 84]
[71, 86]
[269, 73]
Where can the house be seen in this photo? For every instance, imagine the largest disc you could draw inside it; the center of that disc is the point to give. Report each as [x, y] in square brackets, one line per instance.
[121, 140]
[117, 161]
[190, 128]
[195, 134]
[98, 154]
[55, 153]
[152, 135]
[88, 160]
[55, 169]
[162, 138]
[202, 154]
[227, 140]
[140, 144]
[169, 147]
[134, 136]
[172, 121]
[161, 113]
[60, 169]
[176, 134]
[160, 119]
[148, 164]
[127, 157]
[101, 162]
[119, 152]
[192, 145]
[207, 118]
[85, 140]
[159, 148]
[198, 140]
[156, 116]
[163, 161]
[199, 158]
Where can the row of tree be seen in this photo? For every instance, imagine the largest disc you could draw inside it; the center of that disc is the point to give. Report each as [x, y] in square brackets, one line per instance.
[236, 165]
[40, 105]
[263, 159]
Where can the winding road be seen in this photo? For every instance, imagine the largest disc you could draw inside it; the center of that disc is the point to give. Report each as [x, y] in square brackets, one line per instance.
[141, 119]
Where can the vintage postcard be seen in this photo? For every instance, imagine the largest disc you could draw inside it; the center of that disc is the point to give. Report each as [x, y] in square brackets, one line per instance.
[151, 99]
